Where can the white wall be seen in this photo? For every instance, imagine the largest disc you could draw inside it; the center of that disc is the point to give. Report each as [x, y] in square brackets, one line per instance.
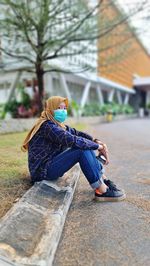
[4, 93]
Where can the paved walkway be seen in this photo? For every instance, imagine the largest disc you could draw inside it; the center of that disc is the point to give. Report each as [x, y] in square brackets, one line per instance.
[113, 234]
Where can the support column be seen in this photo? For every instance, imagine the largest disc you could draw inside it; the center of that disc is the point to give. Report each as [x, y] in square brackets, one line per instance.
[48, 81]
[66, 90]
[147, 97]
[100, 95]
[65, 86]
[14, 84]
[119, 97]
[111, 95]
[85, 94]
[126, 99]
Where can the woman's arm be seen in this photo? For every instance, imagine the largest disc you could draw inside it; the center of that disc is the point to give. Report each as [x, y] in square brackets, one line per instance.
[73, 131]
[60, 136]
[102, 147]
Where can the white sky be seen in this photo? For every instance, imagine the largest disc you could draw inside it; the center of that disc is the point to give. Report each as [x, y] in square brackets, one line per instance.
[141, 21]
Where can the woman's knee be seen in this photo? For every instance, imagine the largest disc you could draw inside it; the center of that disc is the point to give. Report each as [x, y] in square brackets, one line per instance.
[89, 153]
[91, 157]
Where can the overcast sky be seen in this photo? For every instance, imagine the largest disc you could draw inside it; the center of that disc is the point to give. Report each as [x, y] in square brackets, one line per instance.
[141, 21]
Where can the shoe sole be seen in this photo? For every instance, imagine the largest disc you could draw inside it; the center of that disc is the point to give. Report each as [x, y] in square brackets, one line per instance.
[111, 199]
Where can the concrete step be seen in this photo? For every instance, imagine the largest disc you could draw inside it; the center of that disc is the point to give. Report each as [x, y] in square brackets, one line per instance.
[30, 231]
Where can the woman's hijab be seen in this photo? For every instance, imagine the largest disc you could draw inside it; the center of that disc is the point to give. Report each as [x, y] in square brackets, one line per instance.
[51, 104]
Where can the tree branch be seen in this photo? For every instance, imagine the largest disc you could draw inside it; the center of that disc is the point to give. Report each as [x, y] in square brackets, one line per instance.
[23, 57]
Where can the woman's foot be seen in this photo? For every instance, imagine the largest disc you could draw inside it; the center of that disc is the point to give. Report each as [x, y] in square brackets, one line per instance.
[102, 189]
[111, 184]
[110, 195]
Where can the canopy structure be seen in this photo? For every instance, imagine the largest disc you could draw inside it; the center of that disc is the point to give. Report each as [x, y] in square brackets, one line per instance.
[142, 87]
[142, 83]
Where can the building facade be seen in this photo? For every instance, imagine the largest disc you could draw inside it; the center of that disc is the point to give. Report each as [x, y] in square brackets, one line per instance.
[126, 60]
[120, 59]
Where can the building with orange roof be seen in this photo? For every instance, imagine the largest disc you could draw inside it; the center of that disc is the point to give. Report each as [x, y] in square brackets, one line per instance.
[123, 57]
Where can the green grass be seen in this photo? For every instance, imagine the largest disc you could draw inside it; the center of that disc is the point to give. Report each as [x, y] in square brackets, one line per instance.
[80, 126]
[14, 176]
[13, 161]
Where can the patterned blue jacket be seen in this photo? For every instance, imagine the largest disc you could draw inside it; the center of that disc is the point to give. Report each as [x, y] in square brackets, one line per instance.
[49, 141]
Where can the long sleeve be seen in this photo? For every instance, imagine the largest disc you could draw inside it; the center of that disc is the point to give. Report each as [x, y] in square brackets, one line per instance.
[73, 131]
[63, 137]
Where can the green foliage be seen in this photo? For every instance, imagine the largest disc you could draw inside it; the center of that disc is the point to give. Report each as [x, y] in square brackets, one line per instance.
[105, 108]
[2, 112]
[12, 107]
[126, 109]
[25, 98]
[92, 109]
[148, 105]
[95, 108]
[73, 106]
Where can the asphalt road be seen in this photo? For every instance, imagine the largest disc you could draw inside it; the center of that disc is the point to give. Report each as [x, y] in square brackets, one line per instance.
[113, 234]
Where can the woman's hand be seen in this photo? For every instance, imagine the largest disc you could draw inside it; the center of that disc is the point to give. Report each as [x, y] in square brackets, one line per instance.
[97, 141]
[103, 150]
[101, 143]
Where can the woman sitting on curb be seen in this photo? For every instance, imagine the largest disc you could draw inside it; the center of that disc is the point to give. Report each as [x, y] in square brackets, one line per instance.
[53, 148]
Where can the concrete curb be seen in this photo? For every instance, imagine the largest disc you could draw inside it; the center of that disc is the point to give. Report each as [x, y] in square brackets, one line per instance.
[31, 230]
[20, 124]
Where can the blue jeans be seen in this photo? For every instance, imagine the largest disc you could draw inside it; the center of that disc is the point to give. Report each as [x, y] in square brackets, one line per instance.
[91, 167]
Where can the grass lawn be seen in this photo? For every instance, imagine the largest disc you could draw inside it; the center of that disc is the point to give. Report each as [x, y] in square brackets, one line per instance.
[14, 175]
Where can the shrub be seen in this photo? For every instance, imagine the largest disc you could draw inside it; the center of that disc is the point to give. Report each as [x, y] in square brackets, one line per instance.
[92, 109]
[127, 109]
[2, 111]
[25, 98]
[95, 108]
[148, 105]
[12, 107]
[23, 107]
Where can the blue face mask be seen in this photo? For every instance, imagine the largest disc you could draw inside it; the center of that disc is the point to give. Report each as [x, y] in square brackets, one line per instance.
[60, 115]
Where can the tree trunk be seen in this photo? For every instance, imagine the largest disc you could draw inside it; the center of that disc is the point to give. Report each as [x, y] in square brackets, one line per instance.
[40, 79]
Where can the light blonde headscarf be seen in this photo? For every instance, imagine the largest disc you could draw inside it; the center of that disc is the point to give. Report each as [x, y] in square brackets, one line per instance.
[51, 104]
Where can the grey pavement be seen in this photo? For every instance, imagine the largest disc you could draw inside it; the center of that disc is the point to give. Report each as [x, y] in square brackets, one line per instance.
[113, 234]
